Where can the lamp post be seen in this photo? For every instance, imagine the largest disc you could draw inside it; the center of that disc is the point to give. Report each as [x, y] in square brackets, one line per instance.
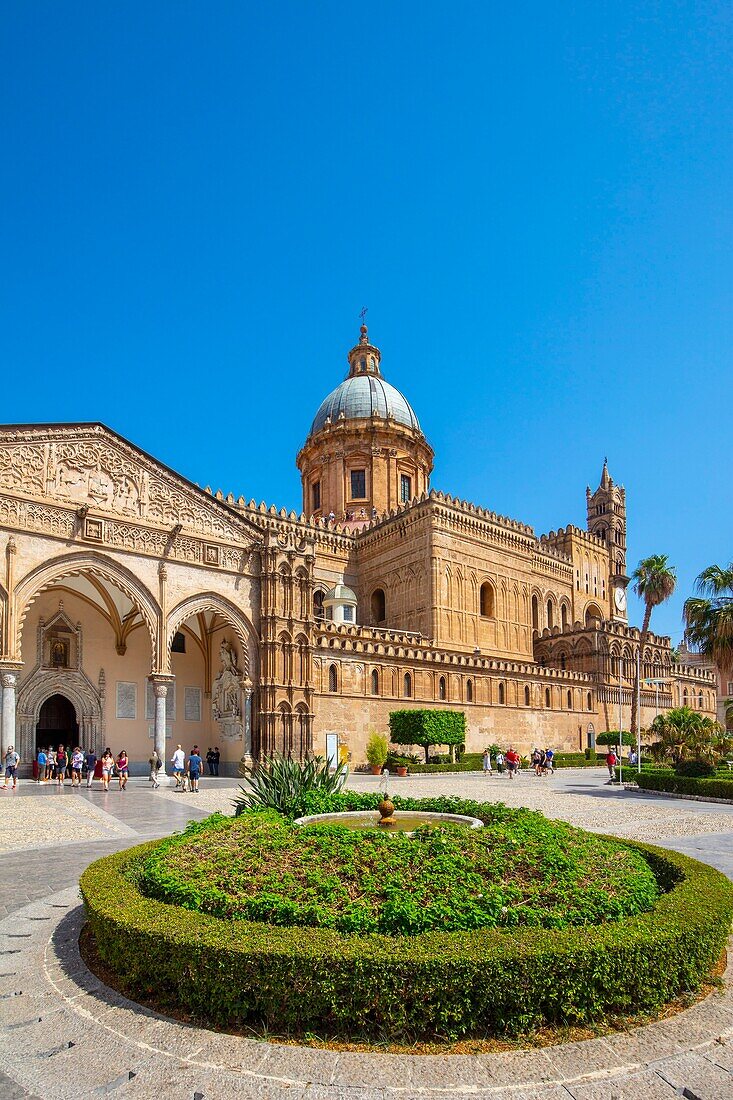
[657, 684]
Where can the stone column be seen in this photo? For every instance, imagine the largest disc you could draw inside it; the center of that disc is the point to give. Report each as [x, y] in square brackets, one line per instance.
[161, 683]
[9, 680]
[247, 687]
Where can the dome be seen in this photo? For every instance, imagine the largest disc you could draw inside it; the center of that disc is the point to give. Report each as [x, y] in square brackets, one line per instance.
[340, 592]
[364, 395]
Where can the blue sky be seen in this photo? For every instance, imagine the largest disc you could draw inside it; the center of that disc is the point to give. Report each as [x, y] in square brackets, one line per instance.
[534, 201]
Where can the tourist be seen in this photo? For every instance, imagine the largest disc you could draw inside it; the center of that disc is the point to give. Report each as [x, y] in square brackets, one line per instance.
[217, 757]
[50, 764]
[210, 760]
[549, 761]
[41, 766]
[500, 762]
[633, 758]
[12, 759]
[611, 762]
[61, 762]
[487, 762]
[108, 767]
[536, 759]
[123, 768]
[91, 763]
[512, 762]
[77, 763]
[155, 765]
[178, 761]
[194, 768]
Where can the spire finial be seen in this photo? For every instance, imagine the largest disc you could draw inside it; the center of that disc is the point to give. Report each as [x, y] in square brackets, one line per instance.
[363, 337]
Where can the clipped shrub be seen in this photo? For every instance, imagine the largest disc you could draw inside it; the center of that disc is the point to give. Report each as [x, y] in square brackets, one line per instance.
[698, 769]
[664, 780]
[613, 737]
[427, 727]
[448, 984]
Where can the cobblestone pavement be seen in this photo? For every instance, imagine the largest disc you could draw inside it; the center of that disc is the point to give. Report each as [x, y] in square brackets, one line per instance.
[66, 1035]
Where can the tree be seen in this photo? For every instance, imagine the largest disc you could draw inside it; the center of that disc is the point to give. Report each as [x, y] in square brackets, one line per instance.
[654, 581]
[427, 727]
[685, 734]
[709, 617]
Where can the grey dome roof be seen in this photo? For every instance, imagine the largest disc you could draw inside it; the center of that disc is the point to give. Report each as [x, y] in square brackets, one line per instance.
[340, 592]
[363, 395]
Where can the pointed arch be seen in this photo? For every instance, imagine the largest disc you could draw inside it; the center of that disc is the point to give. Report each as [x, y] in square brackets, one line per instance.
[77, 564]
[218, 605]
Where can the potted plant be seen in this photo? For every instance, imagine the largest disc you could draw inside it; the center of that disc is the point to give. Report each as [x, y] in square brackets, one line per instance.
[376, 752]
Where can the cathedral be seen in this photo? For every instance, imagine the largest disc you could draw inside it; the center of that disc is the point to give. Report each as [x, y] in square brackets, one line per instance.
[139, 610]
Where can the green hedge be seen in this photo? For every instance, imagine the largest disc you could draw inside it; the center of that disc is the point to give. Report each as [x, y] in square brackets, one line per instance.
[291, 980]
[685, 784]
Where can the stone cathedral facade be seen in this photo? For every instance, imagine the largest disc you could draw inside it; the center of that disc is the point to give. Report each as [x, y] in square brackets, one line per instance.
[137, 609]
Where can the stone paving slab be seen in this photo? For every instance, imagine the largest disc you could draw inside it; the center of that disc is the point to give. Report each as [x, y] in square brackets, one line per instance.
[138, 1054]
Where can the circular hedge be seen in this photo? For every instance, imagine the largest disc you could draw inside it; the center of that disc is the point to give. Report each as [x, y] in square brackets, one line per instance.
[520, 869]
[447, 984]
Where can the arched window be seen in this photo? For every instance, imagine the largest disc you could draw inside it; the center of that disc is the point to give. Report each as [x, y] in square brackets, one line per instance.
[699, 700]
[550, 622]
[487, 601]
[501, 693]
[469, 691]
[362, 364]
[684, 698]
[379, 606]
[547, 697]
[535, 614]
[570, 700]
[375, 682]
[564, 616]
[318, 604]
[526, 696]
[178, 645]
[563, 661]
[407, 686]
[441, 688]
[589, 701]
[332, 678]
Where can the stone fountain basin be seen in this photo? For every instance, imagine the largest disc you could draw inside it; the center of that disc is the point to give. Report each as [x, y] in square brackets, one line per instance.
[402, 821]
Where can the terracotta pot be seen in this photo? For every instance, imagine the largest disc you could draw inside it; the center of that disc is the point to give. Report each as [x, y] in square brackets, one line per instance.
[376, 769]
[402, 771]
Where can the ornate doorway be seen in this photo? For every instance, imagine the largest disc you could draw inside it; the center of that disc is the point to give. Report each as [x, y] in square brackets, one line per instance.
[57, 723]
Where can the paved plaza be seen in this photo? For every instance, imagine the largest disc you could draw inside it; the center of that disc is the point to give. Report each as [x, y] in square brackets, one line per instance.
[66, 1035]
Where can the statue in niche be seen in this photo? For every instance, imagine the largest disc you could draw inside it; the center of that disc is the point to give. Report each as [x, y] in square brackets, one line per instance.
[226, 688]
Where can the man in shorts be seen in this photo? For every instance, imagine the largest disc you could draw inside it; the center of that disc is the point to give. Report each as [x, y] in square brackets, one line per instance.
[11, 767]
[512, 763]
[178, 760]
[194, 768]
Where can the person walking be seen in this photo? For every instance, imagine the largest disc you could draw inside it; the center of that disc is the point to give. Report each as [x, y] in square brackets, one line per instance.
[155, 765]
[178, 760]
[61, 762]
[536, 760]
[12, 759]
[210, 760]
[194, 768]
[108, 767]
[500, 762]
[611, 762]
[550, 761]
[77, 763]
[90, 759]
[123, 768]
[217, 757]
[512, 762]
[41, 764]
[487, 762]
[50, 764]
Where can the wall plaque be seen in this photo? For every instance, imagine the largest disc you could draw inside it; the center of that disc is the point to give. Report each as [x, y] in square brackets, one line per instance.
[126, 700]
[192, 704]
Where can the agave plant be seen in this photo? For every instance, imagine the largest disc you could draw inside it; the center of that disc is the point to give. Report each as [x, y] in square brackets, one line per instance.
[281, 784]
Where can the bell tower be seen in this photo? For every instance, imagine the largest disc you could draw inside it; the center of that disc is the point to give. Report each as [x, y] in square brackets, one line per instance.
[607, 520]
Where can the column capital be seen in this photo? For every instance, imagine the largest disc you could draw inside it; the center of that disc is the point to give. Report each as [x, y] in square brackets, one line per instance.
[161, 678]
[9, 673]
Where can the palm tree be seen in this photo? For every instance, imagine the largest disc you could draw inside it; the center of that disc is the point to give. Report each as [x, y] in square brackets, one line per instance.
[654, 581]
[685, 734]
[709, 617]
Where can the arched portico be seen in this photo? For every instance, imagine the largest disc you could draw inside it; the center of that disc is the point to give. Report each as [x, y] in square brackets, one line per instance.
[86, 700]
